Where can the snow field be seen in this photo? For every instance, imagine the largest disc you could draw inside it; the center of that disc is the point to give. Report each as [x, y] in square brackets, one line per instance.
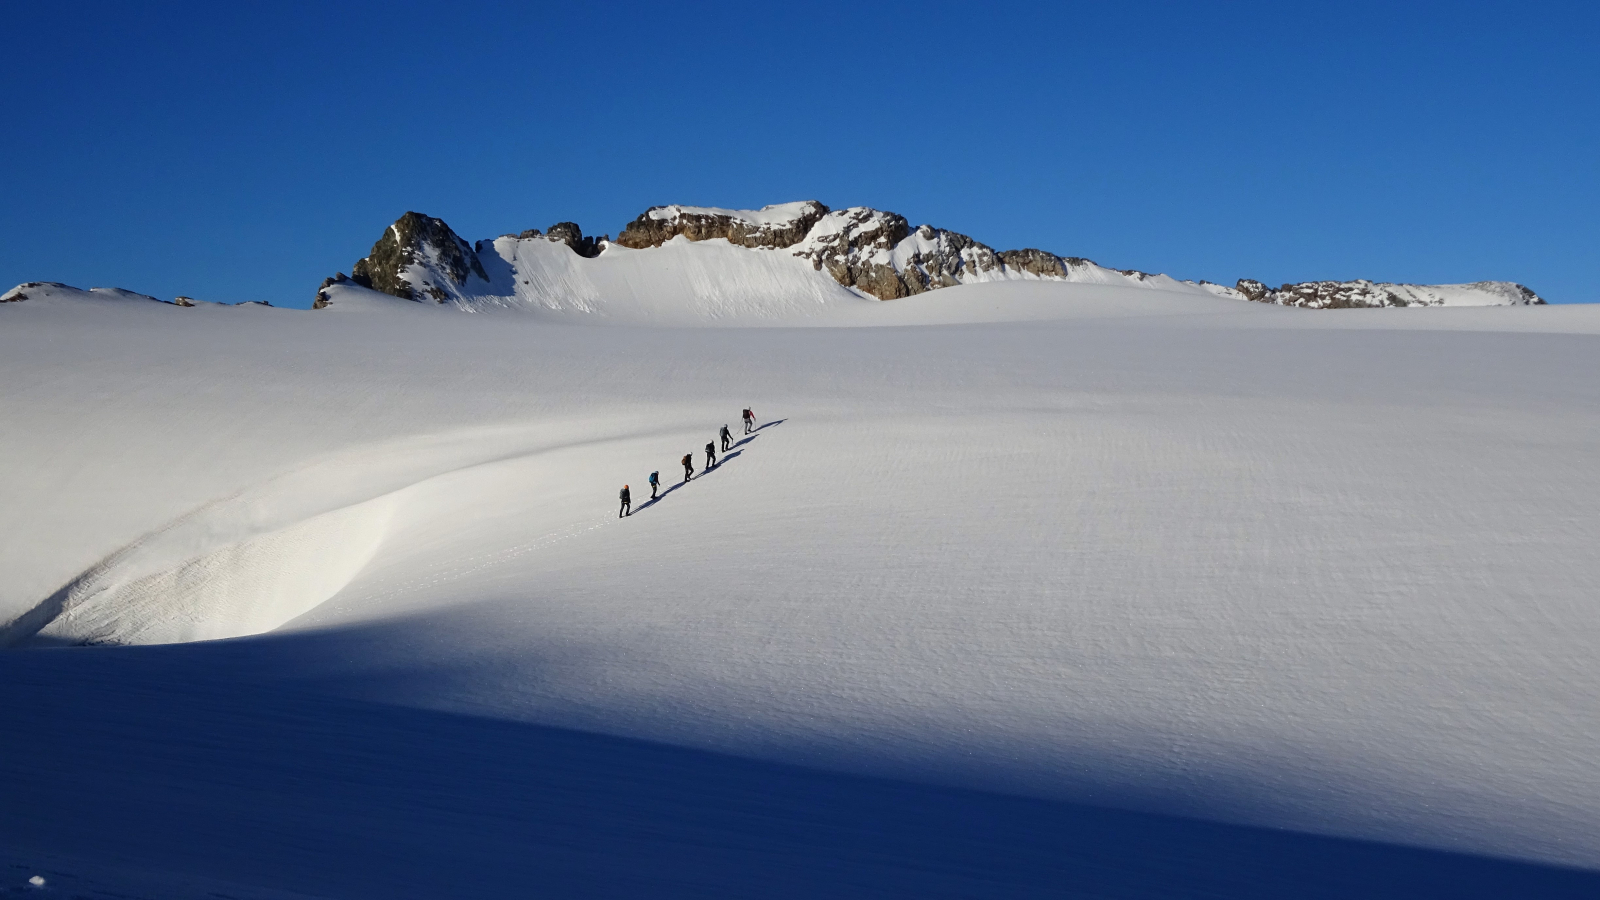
[1251, 564]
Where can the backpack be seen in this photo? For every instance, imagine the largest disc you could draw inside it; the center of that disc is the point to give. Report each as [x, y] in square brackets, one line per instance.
[622, 494]
[687, 459]
[655, 477]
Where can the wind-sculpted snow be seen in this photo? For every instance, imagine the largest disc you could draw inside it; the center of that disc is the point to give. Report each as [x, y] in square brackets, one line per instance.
[248, 563]
[247, 587]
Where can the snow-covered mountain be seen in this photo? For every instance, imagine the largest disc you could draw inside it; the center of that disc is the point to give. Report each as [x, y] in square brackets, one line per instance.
[678, 255]
[786, 261]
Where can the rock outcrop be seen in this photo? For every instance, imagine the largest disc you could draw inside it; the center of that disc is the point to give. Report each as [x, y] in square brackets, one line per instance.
[932, 258]
[19, 293]
[418, 258]
[856, 246]
[768, 228]
[570, 234]
[322, 292]
[1362, 294]
[1038, 262]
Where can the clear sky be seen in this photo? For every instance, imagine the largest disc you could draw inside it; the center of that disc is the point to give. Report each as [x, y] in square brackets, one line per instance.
[244, 151]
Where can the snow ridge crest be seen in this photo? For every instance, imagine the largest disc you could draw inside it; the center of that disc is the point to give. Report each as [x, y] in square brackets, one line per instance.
[872, 252]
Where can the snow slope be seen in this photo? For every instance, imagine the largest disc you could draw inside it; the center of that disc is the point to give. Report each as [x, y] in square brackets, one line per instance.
[679, 282]
[1020, 554]
[691, 282]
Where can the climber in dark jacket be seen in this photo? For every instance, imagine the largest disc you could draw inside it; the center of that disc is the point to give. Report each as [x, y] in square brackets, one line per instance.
[655, 482]
[749, 420]
[727, 439]
[711, 455]
[688, 466]
[627, 503]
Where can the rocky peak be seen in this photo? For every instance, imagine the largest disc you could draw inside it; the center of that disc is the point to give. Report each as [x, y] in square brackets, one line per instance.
[856, 247]
[879, 254]
[770, 227]
[418, 258]
[1038, 262]
[934, 258]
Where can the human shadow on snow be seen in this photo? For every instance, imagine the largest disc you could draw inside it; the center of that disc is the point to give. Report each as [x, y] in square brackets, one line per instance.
[122, 753]
[729, 456]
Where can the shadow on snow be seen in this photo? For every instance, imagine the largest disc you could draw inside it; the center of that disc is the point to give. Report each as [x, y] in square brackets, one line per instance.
[121, 753]
[732, 454]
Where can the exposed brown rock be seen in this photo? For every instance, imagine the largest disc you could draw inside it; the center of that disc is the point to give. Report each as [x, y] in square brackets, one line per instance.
[659, 224]
[1037, 262]
[1253, 290]
[856, 247]
[939, 258]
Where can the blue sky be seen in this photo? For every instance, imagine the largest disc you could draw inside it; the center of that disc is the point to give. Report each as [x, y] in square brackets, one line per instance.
[245, 151]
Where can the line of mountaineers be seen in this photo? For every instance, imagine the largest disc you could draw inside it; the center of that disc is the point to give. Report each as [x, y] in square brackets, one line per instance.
[626, 496]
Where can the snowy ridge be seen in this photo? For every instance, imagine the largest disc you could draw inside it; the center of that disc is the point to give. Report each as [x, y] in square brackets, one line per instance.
[1362, 294]
[50, 293]
[686, 264]
[871, 253]
[775, 214]
[789, 259]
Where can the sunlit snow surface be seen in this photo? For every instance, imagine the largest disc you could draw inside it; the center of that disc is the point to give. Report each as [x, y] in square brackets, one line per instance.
[1064, 546]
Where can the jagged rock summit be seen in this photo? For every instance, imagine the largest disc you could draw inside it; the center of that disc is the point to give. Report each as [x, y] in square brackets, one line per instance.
[867, 252]
[421, 258]
[415, 258]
